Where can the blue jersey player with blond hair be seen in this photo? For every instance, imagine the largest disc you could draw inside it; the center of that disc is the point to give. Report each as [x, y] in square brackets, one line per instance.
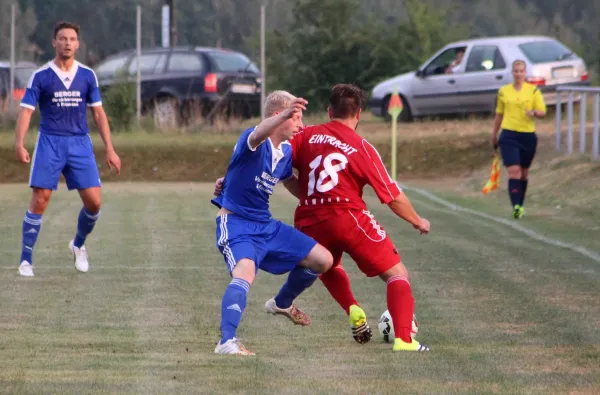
[63, 89]
[247, 235]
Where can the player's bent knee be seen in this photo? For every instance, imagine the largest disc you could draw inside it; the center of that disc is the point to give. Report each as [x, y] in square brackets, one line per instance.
[91, 198]
[39, 200]
[245, 269]
[397, 270]
[92, 207]
[319, 259]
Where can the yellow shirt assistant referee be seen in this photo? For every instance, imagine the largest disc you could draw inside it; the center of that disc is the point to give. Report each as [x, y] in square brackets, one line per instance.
[517, 105]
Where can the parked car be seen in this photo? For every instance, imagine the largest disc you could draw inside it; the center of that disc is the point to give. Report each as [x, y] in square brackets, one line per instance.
[23, 71]
[178, 81]
[440, 87]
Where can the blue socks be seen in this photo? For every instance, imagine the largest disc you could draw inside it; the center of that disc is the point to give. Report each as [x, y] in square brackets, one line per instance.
[31, 229]
[234, 299]
[232, 307]
[33, 222]
[85, 225]
[300, 278]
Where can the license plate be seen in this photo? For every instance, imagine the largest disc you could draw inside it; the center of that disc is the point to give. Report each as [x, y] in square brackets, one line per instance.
[243, 88]
[563, 72]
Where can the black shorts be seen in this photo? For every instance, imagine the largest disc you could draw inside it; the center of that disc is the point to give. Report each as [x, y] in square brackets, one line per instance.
[517, 148]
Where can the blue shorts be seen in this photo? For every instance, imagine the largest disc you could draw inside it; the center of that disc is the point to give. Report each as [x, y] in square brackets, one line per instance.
[73, 156]
[275, 247]
[517, 148]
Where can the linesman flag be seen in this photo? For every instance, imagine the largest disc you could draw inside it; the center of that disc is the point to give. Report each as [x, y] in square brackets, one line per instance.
[494, 180]
[395, 106]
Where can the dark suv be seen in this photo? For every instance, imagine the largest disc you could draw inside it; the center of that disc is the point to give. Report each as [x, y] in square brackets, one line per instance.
[180, 82]
[23, 71]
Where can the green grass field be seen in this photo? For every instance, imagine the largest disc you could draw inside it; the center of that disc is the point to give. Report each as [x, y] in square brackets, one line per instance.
[503, 313]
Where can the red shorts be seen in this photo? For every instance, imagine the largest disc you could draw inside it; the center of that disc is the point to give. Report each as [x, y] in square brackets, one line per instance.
[357, 233]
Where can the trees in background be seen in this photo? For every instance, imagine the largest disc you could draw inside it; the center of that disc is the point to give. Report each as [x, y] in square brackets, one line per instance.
[311, 43]
[26, 24]
[336, 41]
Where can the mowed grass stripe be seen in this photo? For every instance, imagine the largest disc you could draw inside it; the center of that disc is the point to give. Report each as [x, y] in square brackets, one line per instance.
[64, 335]
[542, 216]
[486, 256]
[509, 309]
[153, 331]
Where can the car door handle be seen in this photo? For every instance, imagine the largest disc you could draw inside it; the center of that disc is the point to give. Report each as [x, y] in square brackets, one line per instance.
[451, 81]
[499, 77]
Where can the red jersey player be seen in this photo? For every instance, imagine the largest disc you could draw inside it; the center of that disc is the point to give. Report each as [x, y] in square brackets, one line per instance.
[334, 164]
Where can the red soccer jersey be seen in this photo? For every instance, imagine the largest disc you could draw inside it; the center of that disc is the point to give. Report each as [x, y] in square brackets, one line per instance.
[334, 165]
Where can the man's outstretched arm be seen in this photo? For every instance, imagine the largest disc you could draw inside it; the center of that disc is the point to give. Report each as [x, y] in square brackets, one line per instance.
[264, 129]
[402, 207]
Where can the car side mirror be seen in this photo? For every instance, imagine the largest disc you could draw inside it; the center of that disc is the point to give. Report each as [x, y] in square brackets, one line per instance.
[420, 73]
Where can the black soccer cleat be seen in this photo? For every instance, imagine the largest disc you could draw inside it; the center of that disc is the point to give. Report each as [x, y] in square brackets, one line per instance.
[362, 333]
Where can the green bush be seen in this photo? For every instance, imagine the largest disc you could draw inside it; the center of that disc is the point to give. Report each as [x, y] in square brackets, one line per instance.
[119, 104]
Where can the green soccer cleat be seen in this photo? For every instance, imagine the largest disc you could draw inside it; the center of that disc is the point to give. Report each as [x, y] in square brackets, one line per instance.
[399, 345]
[518, 211]
[358, 323]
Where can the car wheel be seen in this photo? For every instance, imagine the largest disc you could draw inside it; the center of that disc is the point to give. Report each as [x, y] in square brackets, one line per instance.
[405, 115]
[166, 113]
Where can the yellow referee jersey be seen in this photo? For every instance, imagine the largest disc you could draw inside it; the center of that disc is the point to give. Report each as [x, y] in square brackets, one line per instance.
[515, 104]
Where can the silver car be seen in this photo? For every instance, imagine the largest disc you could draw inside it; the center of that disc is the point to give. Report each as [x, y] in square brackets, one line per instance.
[464, 77]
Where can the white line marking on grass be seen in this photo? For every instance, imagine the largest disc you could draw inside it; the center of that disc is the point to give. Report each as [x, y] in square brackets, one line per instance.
[114, 268]
[510, 223]
[197, 268]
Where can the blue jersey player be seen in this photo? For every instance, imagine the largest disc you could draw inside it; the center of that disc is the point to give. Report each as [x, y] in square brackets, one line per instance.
[63, 89]
[248, 237]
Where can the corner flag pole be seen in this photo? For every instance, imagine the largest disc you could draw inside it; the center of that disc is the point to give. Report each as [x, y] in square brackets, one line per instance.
[394, 109]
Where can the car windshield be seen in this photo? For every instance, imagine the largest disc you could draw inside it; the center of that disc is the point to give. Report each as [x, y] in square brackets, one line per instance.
[545, 51]
[109, 67]
[22, 75]
[233, 61]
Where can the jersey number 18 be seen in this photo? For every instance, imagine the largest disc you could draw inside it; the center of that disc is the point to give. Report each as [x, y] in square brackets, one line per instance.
[329, 170]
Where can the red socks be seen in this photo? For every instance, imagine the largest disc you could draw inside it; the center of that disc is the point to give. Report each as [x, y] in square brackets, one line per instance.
[338, 284]
[400, 301]
[401, 306]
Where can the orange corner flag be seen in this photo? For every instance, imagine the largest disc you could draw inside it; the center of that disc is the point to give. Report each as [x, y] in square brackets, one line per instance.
[395, 106]
[494, 180]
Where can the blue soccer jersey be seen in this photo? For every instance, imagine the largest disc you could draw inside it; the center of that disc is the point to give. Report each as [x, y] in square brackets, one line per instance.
[63, 98]
[251, 177]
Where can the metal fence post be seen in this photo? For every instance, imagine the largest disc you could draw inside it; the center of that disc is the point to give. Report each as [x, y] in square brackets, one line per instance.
[13, 64]
[263, 66]
[570, 123]
[595, 138]
[582, 122]
[585, 93]
[138, 80]
[558, 119]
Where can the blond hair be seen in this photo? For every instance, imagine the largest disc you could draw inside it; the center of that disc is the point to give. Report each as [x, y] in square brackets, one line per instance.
[519, 61]
[278, 101]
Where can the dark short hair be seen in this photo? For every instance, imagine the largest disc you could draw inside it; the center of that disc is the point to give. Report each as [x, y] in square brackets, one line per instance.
[346, 100]
[65, 25]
